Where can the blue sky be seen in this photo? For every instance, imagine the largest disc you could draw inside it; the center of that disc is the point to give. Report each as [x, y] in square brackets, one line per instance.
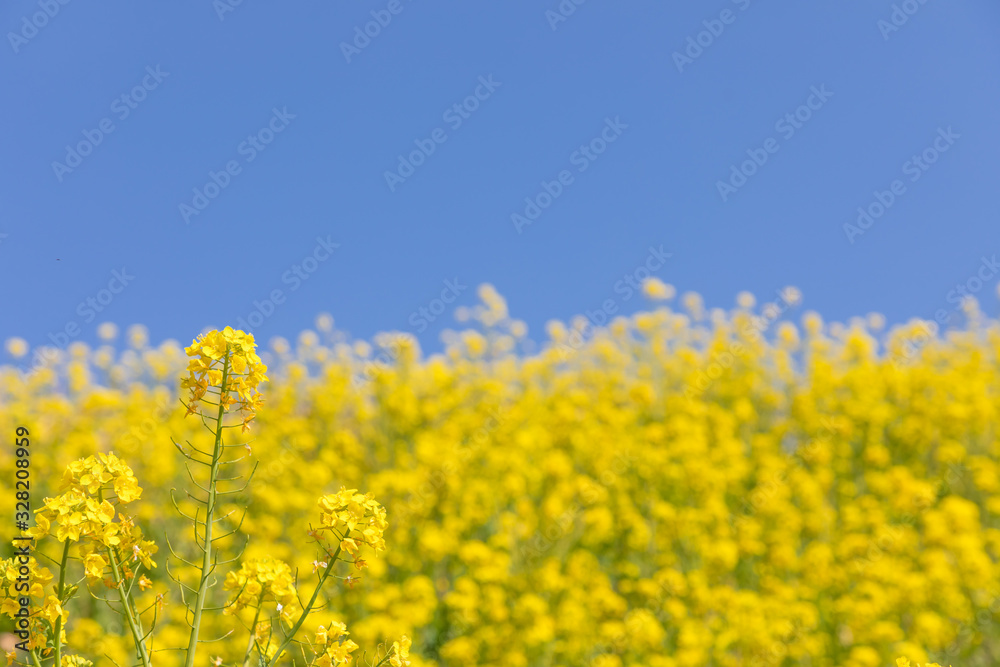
[614, 108]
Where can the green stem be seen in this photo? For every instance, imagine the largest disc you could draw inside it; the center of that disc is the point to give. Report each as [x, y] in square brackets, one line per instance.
[253, 629]
[57, 640]
[127, 611]
[34, 658]
[206, 562]
[290, 635]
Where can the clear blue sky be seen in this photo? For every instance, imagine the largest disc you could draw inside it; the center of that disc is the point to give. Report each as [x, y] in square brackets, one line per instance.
[551, 87]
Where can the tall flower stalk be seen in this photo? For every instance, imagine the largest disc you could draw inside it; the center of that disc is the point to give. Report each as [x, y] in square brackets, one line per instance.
[223, 380]
[224, 365]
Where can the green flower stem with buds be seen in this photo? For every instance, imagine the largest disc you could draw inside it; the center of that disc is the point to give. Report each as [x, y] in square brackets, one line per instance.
[206, 562]
[57, 639]
[290, 635]
[253, 631]
[128, 613]
[134, 623]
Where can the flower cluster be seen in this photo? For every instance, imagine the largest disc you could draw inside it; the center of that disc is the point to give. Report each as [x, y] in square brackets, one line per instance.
[354, 519]
[82, 511]
[84, 514]
[261, 580]
[400, 653]
[229, 354]
[332, 647]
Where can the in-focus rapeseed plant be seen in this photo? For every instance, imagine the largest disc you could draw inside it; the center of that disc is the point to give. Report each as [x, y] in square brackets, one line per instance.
[224, 373]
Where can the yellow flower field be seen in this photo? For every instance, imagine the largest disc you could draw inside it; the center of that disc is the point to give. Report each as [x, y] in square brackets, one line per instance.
[682, 488]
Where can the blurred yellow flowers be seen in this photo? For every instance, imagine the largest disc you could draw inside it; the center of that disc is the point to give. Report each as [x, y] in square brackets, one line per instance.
[687, 486]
